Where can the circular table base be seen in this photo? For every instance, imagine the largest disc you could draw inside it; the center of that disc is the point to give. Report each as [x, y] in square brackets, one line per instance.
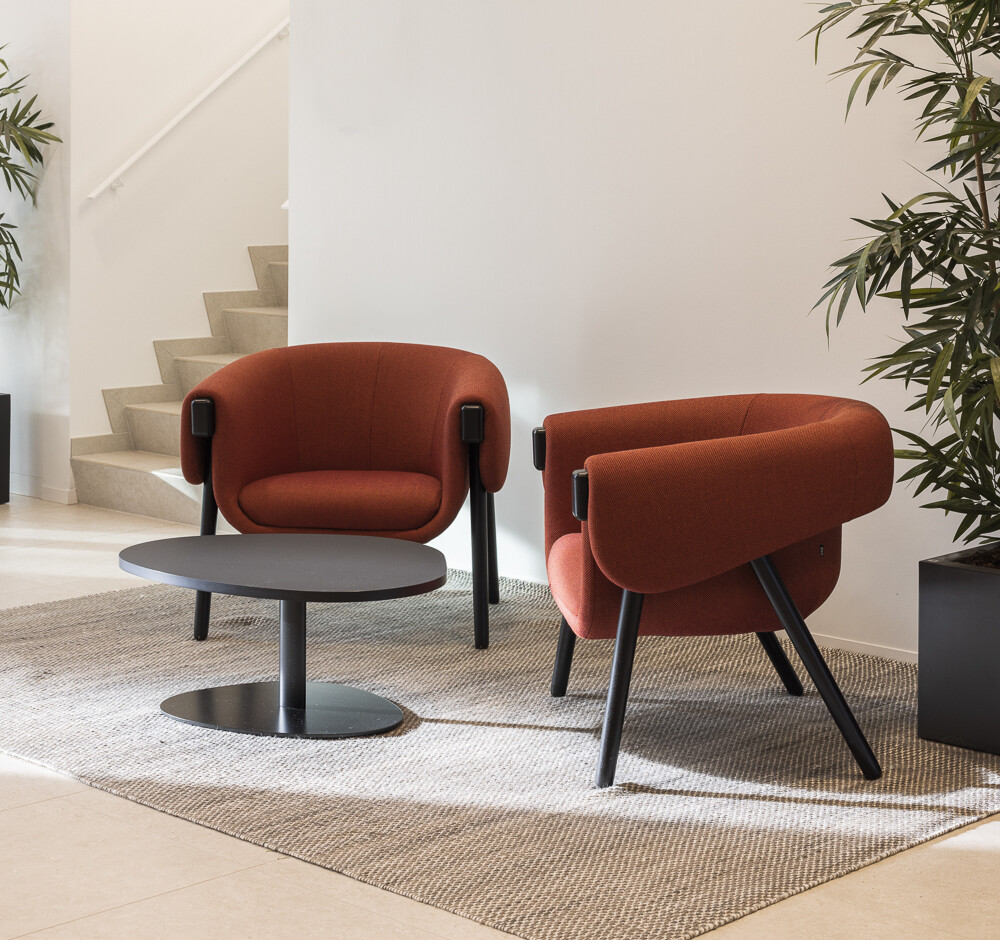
[332, 711]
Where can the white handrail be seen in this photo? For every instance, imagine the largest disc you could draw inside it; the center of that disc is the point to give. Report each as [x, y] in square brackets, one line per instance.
[114, 180]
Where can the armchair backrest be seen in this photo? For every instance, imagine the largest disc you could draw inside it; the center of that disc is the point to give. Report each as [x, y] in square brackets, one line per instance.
[349, 406]
[683, 500]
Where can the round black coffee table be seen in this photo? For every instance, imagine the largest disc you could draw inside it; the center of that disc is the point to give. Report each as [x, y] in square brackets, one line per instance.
[293, 569]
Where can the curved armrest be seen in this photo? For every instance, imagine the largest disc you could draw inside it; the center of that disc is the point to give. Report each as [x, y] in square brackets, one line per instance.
[572, 437]
[474, 380]
[254, 430]
[660, 518]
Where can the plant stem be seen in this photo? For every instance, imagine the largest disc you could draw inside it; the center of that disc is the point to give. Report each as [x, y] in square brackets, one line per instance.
[984, 206]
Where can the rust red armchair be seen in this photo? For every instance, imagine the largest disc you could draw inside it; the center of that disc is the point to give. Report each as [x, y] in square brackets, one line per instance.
[359, 438]
[706, 516]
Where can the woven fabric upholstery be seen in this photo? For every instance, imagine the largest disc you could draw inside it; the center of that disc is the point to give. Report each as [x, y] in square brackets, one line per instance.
[345, 407]
[384, 501]
[732, 602]
[683, 494]
[572, 437]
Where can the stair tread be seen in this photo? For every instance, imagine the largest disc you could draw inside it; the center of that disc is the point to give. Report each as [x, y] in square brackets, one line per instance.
[222, 359]
[142, 460]
[260, 311]
[160, 407]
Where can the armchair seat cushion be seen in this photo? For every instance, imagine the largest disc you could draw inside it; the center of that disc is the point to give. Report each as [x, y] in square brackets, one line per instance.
[732, 602]
[343, 500]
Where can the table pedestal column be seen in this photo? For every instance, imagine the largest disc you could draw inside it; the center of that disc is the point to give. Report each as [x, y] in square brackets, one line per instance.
[292, 655]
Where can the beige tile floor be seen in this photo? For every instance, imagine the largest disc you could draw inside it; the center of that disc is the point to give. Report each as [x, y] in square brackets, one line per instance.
[79, 863]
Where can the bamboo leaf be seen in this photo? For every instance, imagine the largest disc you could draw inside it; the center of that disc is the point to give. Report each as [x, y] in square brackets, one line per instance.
[857, 84]
[949, 410]
[975, 87]
[937, 373]
[995, 373]
[912, 202]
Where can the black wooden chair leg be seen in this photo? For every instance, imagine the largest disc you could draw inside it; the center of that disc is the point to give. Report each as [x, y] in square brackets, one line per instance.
[480, 553]
[816, 666]
[203, 425]
[621, 677]
[564, 660]
[780, 662]
[491, 532]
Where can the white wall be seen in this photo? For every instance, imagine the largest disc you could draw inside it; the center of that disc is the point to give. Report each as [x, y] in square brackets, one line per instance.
[143, 254]
[614, 201]
[34, 333]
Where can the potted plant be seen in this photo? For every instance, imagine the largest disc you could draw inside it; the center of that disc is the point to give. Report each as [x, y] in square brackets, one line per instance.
[22, 135]
[938, 254]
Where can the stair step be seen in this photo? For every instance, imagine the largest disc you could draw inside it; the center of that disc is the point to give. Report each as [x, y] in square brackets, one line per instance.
[279, 281]
[148, 479]
[156, 427]
[252, 329]
[262, 257]
[140, 482]
[169, 350]
[193, 369]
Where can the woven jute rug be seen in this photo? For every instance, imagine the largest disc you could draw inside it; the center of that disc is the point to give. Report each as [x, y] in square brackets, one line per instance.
[731, 794]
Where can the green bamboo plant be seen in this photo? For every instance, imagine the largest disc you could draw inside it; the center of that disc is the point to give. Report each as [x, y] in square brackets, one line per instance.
[936, 253]
[22, 135]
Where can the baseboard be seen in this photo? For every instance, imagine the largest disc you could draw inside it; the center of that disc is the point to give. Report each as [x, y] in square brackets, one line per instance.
[857, 646]
[58, 495]
[23, 485]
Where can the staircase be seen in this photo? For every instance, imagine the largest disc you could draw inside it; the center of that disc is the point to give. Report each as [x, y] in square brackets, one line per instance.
[136, 468]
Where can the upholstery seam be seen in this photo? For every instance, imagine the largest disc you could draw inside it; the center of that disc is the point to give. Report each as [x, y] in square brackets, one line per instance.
[746, 414]
[371, 416]
[295, 417]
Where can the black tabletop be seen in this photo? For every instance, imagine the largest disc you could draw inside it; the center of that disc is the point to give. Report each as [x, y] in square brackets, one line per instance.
[295, 567]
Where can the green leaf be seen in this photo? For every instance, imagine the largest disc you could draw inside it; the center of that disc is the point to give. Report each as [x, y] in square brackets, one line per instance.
[912, 202]
[857, 84]
[949, 410]
[876, 78]
[896, 240]
[975, 87]
[937, 373]
[995, 373]
[862, 272]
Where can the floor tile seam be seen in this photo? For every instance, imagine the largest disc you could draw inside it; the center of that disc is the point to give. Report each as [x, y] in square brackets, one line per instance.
[843, 898]
[33, 585]
[409, 924]
[896, 919]
[85, 788]
[362, 909]
[261, 865]
[71, 797]
[140, 900]
[125, 586]
[139, 534]
[409, 899]
[46, 799]
[55, 507]
[843, 875]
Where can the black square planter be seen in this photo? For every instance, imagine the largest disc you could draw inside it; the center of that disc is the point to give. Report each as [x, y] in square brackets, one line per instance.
[959, 684]
[4, 448]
